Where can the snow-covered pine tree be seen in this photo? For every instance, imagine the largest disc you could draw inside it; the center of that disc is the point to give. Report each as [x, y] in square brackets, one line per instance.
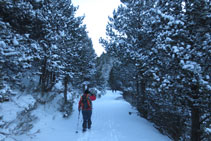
[49, 35]
[64, 26]
[58, 23]
[16, 57]
[84, 62]
[16, 34]
[169, 53]
[104, 65]
[121, 77]
[196, 65]
[182, 40]
[53, 33]
[99, 80]
[19, 14]
[78, 62]
[130, 40]
[167, 32]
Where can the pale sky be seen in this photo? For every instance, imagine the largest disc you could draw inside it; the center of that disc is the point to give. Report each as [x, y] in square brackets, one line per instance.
[96, 18]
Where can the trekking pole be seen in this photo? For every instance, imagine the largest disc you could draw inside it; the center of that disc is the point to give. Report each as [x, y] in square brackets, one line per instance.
[78, 121]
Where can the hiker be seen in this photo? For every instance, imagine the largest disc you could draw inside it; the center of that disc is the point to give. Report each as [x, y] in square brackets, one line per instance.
[85, 104]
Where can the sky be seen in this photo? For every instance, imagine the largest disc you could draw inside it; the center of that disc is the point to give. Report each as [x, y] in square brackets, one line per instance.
[96, 18]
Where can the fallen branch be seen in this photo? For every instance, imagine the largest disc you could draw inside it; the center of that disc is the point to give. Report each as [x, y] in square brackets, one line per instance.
[3, 133]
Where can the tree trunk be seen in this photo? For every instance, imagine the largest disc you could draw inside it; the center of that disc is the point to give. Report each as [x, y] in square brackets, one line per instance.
[43, 76]
[195, 115]
[137, 97]
[137, 86]
[143, 92]
[47, 79]
[51, 81]
[143, 99]
[65, 88]
[195, 128]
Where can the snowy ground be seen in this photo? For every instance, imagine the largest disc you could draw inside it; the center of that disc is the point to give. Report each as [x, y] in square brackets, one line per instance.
[111, 122]
[12, 113]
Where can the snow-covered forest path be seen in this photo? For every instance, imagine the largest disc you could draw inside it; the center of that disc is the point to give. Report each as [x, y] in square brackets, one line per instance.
[111, 122]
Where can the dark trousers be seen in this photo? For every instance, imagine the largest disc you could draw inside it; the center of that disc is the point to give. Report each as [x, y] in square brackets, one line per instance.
[87, 118]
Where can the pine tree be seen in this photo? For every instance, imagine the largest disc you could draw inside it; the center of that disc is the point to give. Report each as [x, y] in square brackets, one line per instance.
[168, 55]
[50, 37]
[16, 56]
[198, 27]
[182, 45]
[121, 77]
[100, 81]
[67, 49]
[131, 40]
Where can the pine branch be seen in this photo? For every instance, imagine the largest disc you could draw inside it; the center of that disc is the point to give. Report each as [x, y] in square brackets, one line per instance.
[204, 119]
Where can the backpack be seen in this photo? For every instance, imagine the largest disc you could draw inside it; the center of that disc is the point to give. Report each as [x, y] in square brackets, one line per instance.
[86, 102]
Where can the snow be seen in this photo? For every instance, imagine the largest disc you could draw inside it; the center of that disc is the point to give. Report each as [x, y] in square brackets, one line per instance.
[175, 49]
[165, 16]
[54, 47]
[207, 77]
[168, 39]
[15, 42]
[58, 85]
[27, 35]
[62, 33]
[11, 54]
[110, 118]
[26, 101]
[208, 130]
[171, 19]
[33, 45]
[192, 66]
[10, 109]
[121, 41]
[2, 44]
[156, 77]
[38, 0]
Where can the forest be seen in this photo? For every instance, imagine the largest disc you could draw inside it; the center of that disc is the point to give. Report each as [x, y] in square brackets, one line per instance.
[157, 54]
[163, 50]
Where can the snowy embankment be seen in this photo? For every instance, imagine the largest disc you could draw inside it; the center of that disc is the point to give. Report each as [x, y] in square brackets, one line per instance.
[111, 122]
[15, 115]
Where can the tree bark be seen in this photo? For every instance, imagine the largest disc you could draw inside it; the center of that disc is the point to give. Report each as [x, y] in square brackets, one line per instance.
[143, 92]
[43, 76]
[143, 99]
[195, 115]
[137, 86]
[195, 127]
[65, 88]
[47, 79]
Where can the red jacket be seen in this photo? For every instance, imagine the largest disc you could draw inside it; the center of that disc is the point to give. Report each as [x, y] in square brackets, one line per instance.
[91, 97]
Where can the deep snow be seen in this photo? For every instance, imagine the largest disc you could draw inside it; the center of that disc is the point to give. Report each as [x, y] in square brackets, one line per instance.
[111, 122]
